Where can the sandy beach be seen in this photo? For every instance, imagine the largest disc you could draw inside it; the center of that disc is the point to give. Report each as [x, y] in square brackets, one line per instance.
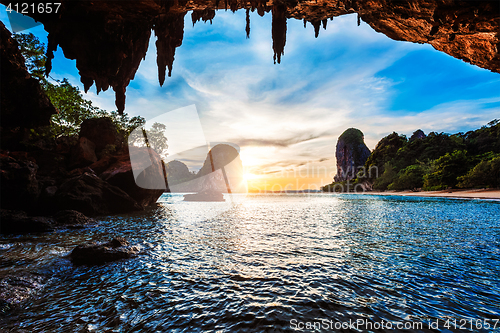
[490, 194]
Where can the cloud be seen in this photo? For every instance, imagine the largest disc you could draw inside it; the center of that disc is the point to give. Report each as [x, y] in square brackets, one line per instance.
[290, 115]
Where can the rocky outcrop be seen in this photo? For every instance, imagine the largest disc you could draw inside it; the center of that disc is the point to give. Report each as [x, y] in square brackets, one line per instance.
[144, 181]
[101, 132]
[112, 40]
[17, 222]
[418, 134]
[14, 290]
[91, 195]
[97, 254]
[351, 154]
[23, 102]
[83, 154]
[72, 219]
[19, 183]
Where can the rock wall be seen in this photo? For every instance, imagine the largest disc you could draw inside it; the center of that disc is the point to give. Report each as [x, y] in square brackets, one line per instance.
[23, 103]
[351, 154]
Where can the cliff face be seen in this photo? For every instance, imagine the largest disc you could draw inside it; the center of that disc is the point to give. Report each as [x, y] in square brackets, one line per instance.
[24, 104]
[351, 154]
[108, 39]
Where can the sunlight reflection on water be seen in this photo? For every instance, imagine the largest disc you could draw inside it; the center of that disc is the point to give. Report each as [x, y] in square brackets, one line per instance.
[268, 259]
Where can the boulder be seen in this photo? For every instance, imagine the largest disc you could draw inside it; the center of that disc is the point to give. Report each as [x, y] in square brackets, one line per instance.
[83, 154]
[19, 184]
[16, 289]
[17, 222]
[91, 195]
[146, 183]
[72, 219]
[97, 254]
[101, 131]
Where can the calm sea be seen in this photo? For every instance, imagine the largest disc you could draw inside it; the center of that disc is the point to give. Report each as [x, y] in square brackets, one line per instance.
[273, 263]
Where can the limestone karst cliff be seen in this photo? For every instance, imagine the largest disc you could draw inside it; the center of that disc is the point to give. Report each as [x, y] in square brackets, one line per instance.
[109, 39]
[351, 153]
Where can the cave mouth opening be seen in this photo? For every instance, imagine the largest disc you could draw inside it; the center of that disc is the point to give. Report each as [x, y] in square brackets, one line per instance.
[108, 39]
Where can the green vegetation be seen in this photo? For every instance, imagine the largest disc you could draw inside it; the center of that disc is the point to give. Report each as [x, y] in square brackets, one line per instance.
[437, 161]
[72, 108]
[434, 162]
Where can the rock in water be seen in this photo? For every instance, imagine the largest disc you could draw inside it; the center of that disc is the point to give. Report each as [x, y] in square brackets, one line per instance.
[17, 222]
[72, 219]
[98, 254]
[351, 154]
[205, 196]
[143, 179]
[91, 195]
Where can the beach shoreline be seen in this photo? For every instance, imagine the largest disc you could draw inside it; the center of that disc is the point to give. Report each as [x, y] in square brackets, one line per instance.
[483, 194]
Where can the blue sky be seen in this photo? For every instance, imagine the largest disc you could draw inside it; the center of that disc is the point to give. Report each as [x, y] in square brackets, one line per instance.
[289, 115]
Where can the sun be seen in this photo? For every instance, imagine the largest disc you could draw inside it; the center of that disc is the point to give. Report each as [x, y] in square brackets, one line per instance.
[250, 176]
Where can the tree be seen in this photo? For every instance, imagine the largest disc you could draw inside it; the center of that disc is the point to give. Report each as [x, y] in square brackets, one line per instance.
[411, 177]
[34, 53]
[153, 138]
[445, 170]
[484, 174]
[386, 178]
[72, 108]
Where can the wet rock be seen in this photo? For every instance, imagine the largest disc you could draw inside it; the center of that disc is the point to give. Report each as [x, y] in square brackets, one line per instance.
[16, 289]
[150, 175]
[83, 154]
[72, 219]
[17, 222]
[91, 195]
[98, 254]
[19, 184]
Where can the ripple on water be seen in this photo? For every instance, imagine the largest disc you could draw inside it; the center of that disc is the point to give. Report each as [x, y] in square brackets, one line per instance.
[268, 260]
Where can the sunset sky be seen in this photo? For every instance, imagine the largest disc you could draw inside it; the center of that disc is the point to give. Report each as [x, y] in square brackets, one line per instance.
[286, 118]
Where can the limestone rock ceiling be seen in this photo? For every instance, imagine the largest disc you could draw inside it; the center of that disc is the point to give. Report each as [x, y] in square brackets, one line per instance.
[109, 39]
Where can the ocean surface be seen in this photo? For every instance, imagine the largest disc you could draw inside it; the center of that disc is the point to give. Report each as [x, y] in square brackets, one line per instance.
[271, 263]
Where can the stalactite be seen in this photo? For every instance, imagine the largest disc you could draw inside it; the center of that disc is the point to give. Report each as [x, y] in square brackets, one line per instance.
[325, 22]
[247, 29]
[206, 14]
[359, 20]
[278, 30]
[87, 83]
[170, 31]
[317, 26]
[120, 98]
[234, 5]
